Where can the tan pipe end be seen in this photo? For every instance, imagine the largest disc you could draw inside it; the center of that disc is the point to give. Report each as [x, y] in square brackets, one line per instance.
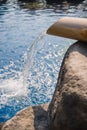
[70, 27]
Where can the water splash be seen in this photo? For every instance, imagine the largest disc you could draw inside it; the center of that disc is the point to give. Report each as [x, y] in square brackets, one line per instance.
[11, 88]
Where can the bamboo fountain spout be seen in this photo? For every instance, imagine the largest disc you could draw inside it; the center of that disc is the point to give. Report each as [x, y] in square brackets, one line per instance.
[70, 27]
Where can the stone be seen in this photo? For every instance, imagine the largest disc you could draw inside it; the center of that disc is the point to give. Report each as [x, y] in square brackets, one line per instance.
[30, 118]
[1, 124]
[68, 108]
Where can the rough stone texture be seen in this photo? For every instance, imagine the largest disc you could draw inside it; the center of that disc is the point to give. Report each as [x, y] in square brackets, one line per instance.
[1, 124]
[68, 108]
[31, 118]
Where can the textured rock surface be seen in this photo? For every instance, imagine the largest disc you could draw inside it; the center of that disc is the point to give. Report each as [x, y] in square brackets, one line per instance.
[31, 118]
[1, 124]
[68, 108]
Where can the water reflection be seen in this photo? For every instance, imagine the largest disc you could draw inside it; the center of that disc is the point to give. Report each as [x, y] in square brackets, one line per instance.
[2, 2]
[57, 6]
[69, 7]
[83, 6]
[53, 1]
[33, 5]
[60, 1]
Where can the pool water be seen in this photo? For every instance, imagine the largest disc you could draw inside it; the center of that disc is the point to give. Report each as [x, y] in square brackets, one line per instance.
[29, 68]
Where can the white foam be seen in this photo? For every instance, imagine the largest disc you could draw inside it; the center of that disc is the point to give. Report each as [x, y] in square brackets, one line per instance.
[11, 88]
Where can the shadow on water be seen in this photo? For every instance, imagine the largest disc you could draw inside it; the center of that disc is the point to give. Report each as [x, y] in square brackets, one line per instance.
[60, 1]
[2, 2]
[33, 5]
[48, 4]
[52, 1]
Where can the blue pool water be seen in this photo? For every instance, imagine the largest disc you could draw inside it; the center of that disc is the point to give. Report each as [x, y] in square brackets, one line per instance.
[28, 76]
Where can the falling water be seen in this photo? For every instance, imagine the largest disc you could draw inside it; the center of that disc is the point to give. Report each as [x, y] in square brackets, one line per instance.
[36, 46]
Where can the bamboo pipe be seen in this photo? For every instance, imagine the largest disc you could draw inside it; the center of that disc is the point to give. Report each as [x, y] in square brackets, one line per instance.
[70, 27]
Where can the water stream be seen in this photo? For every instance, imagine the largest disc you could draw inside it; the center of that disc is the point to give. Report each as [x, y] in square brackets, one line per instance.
[36, 46]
